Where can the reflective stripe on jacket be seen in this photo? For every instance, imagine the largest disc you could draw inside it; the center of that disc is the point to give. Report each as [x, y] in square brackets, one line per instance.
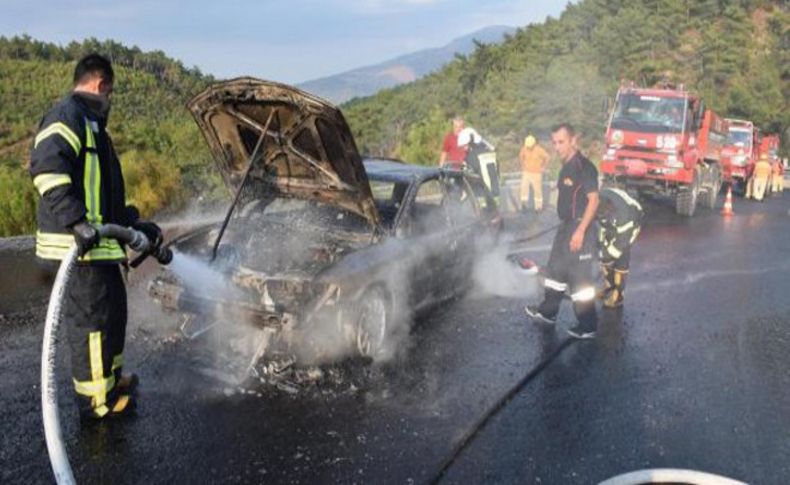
[78, 176]
[620, 226]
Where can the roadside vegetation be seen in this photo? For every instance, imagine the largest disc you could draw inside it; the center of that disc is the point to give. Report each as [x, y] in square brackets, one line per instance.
[165, 162]
[736, 53]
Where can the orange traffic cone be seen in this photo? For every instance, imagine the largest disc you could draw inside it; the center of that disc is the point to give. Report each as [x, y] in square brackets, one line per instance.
[727, 209]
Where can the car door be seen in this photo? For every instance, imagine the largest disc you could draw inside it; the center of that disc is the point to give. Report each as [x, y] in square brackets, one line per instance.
[426, 230]
[465, 227]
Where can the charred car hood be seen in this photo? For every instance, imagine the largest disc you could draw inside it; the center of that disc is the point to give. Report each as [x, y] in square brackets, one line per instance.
[308, 151]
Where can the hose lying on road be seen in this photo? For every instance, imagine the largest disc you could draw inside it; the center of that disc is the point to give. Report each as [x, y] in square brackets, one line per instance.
[58, 457]
[466, 440]
[495, 409]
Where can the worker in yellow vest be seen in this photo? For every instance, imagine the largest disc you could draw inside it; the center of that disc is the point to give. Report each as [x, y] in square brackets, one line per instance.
[534, 160]
[762, 172]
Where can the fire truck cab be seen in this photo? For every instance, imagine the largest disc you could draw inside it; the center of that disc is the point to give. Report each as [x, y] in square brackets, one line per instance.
[665, 141]
[740, 153]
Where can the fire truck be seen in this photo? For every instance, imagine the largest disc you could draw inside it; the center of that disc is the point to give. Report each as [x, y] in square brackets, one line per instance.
[770, 146]
[740, 153]
[665, 141]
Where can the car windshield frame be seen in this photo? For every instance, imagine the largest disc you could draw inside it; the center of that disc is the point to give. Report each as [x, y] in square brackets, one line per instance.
[649, 113]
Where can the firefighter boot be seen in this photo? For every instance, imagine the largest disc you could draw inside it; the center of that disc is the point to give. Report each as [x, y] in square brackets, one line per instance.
[122, 405]
[608, 281]
[615, 297]
[127, 384]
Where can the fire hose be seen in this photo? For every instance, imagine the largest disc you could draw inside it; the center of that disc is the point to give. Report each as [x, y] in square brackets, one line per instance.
[502, 402]
[58, 456]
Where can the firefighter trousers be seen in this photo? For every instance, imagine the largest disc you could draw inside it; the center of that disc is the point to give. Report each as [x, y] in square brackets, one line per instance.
[95, 315]
[572, 271]
[532, 182]
[777, 184]
[615, 272]
[759, 186]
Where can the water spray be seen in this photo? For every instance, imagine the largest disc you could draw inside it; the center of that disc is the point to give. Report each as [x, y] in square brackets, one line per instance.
[49, 396]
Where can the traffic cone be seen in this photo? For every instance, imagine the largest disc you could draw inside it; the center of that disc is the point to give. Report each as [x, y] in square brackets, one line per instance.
[727, 209]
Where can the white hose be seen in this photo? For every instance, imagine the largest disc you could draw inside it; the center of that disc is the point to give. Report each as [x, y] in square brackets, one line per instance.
[670, 475]
[58, 457]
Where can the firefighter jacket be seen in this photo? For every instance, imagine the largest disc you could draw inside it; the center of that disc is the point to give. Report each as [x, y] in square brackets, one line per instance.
[78, 176]
[533, 159]
[762, 169]
[619, 222]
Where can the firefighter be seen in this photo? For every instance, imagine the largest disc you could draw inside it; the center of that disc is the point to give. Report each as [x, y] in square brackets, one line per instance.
[777, 177]
[478, 158]
[571, 259]
[78, 176]
[534, 160]
[619, 221]
[762, 172]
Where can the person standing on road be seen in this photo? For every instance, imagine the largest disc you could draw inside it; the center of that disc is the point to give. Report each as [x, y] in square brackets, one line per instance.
[777, 177]
[480, 158]
[762, 172]
[452, 154]
[78, 176]
[570, 263]
[534, 160]
[619, 222]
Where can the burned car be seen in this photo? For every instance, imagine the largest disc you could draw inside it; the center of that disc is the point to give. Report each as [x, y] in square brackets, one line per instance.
[319, 245]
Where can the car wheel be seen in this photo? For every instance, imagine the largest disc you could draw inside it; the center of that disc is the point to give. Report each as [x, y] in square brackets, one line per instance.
[372, 322]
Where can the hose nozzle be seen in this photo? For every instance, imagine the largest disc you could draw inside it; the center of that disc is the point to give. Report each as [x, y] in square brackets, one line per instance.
[163, 255]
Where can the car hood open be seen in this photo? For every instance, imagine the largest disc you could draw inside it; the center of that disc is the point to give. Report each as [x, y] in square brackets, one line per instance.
[308, 151]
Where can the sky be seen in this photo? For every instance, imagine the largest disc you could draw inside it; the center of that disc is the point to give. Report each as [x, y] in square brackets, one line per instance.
[281, 40]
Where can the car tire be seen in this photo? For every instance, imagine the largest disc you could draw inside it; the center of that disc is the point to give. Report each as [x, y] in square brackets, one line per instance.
[373, 320]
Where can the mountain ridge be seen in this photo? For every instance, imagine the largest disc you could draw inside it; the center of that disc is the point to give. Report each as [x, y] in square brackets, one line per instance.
[367, 80]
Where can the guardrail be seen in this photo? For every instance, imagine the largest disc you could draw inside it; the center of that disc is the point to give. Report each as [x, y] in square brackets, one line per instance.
[23, 282]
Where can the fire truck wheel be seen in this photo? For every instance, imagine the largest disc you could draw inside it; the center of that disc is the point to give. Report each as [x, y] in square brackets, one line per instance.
[686, 198]
[712, 193]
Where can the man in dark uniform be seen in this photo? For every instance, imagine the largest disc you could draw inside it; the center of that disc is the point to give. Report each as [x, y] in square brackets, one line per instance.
[570, 264]
[619, 221]
[76, 172]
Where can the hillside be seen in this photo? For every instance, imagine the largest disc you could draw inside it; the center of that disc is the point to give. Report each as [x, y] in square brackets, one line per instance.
[165, 161]
[735, 53]
[367, 80]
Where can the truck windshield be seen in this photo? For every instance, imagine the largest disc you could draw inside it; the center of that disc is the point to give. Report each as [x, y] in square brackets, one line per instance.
[650, 114]
[739, 138]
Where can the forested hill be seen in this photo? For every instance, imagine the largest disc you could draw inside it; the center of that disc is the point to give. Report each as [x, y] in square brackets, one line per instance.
[736, 53]
[164, 158]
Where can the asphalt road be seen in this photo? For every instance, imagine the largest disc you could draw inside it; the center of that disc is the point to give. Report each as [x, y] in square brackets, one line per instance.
[693, 373]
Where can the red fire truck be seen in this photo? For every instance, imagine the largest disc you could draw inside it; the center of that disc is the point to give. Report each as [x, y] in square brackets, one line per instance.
[665, 141]
[770, 145]
[740, 153]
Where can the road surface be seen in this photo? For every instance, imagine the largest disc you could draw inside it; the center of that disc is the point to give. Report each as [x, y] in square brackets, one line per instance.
[693, 373]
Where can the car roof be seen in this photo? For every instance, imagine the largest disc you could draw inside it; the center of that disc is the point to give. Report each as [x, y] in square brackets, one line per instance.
[393, 170]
